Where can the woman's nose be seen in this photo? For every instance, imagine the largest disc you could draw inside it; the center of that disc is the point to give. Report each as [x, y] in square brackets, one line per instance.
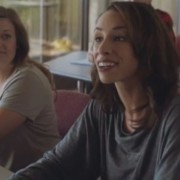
[1, 44]
[104, 47]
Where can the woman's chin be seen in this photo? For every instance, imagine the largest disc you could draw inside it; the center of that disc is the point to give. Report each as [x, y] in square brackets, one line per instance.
[106, 81]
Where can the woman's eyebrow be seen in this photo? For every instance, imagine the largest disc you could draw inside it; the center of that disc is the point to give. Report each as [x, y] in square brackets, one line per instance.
[119, 27]
[98, 29]
[6, 30]
[114, 28]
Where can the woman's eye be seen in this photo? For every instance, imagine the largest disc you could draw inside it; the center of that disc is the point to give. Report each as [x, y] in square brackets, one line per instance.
[119, 38]
[98, 39]
[6, 36]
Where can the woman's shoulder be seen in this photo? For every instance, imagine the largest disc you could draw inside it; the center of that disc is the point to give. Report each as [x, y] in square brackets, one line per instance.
[27, 69]
[175, 102]
[173, 106]
[94, 105]
[28, 75]
[96, 109]
[29, 72]
[22, 71]
[171, 114]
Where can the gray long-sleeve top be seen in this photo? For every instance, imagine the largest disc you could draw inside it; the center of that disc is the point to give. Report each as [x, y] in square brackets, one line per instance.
[96, 145]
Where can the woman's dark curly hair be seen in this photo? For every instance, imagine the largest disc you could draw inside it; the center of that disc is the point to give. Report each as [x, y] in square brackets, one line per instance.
[158, 59]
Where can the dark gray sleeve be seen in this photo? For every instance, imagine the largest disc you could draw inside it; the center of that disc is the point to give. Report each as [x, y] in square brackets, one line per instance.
[76, 156]
[169, 160]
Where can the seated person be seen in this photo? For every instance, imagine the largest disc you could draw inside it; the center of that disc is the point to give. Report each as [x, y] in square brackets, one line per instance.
[27, 114]
[130, 130]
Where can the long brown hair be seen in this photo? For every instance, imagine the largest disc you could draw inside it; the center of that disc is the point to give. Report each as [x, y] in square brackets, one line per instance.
[158, 59]
[22, 43]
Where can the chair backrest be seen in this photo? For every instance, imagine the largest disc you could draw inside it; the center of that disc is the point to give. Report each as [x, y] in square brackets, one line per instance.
[69, 105]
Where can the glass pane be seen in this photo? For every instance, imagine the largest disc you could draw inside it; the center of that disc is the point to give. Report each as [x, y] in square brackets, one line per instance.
[70, 21]
[95, 8]
[53, 26]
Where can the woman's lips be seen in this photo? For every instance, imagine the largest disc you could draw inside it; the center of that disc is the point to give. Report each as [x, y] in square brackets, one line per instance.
[106, 64]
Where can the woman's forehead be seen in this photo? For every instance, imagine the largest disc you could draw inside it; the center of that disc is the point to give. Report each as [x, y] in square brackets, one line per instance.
[110, 17]
[143, 1]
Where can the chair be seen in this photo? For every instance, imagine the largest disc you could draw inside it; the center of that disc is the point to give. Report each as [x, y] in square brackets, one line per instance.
[69, 104]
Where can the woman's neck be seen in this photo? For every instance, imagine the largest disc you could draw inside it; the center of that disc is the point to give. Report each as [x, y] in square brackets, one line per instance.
[136, 106]
[132, 97]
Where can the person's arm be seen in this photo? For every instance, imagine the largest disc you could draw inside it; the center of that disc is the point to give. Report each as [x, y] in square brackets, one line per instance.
[21, 99]
[169, 159]
[9, 120]
[76, 156]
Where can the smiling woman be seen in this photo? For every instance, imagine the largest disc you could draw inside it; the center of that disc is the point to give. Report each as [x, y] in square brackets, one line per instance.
[27, 116]
[130, 130]
[111, 37]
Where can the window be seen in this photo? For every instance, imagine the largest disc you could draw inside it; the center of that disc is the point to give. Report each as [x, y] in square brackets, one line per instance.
[54, 26]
